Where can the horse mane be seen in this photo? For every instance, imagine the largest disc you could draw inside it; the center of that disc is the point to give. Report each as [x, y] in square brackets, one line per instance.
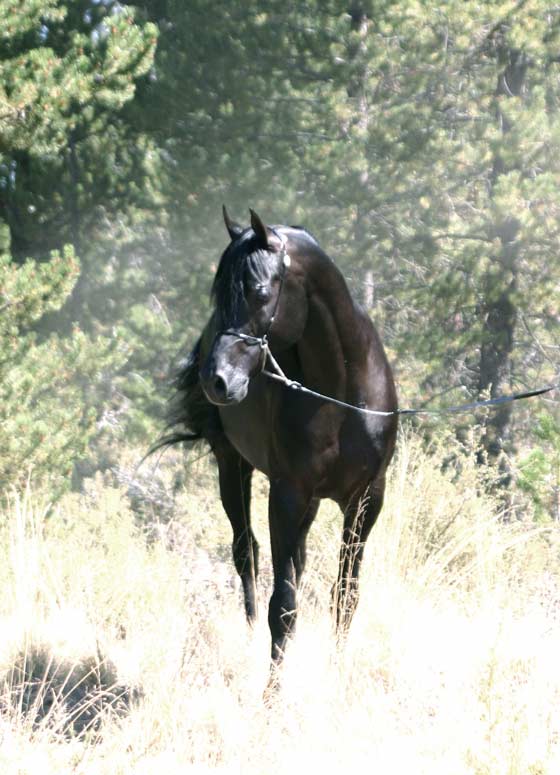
[241, 259]
[307, 233]
[244, 259]
[191, 417]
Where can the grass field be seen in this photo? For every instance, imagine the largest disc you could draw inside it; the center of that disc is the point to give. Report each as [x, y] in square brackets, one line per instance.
[124, 647]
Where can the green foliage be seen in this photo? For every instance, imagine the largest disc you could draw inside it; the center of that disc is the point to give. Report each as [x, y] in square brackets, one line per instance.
[419, 141]
[539, 471]
[47, 387]
[55, 66]
[30, 290]
[66, 70]
[406, 158]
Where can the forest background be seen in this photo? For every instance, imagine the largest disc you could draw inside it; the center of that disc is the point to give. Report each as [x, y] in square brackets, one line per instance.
[419, 141]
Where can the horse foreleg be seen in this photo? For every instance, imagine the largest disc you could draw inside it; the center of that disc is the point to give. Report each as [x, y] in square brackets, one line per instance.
[360, 515]
[235, 490]
[290, 516]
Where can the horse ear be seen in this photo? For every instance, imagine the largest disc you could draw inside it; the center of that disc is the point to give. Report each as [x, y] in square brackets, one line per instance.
[266, 237]
[234, 229]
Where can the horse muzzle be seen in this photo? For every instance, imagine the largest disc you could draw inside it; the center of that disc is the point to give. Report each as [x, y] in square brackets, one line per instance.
[223, 389]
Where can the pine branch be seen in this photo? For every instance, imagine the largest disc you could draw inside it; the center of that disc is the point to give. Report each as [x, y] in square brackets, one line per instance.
[451, 235]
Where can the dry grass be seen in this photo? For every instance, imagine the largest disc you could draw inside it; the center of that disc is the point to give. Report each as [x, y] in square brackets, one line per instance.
[451, 665]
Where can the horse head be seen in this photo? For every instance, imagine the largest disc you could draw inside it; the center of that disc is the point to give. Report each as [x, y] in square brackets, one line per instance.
[260, 301]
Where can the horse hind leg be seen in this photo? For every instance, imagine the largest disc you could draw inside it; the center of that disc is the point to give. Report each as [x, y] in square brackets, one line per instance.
[360, 516]
[235, 490]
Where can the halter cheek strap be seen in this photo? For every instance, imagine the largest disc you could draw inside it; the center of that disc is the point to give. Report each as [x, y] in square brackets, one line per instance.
[286, 263]
[262, 341]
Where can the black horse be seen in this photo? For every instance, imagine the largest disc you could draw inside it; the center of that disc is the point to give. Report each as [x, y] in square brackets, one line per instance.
[281, 303]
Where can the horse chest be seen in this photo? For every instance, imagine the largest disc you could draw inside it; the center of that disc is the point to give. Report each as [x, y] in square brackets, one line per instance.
[244, 430]
[283, 439]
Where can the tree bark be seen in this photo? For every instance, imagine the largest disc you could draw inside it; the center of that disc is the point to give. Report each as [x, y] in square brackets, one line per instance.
[499, 306]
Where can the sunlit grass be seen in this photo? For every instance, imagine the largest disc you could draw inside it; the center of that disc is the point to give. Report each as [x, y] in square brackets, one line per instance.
[450, 666]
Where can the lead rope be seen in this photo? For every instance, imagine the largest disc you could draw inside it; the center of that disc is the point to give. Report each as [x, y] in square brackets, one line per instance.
[278, 375]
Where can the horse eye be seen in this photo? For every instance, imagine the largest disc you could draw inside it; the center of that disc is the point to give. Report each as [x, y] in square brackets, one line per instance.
[262, 294]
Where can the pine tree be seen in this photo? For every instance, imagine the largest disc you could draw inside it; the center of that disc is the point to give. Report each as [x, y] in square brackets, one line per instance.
[47, 414]
[66, 70]
[443, 188]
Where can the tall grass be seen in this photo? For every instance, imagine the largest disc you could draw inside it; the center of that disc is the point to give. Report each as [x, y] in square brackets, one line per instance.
[451, 665]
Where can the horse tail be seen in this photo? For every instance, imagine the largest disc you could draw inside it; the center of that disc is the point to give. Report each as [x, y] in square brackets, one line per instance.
[191, 418]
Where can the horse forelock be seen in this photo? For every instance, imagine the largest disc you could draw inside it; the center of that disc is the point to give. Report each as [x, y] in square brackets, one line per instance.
[241, 260]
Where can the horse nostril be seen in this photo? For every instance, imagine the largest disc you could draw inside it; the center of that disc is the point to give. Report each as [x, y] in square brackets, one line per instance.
[220, 387]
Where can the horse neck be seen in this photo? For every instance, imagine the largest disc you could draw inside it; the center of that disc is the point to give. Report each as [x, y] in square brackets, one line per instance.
[334, 348]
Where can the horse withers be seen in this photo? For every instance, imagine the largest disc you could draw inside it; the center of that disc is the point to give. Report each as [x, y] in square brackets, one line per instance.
[279, 299]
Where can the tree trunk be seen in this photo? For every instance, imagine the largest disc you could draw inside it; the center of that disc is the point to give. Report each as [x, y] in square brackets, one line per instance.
[495, 353]
[499, 306]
